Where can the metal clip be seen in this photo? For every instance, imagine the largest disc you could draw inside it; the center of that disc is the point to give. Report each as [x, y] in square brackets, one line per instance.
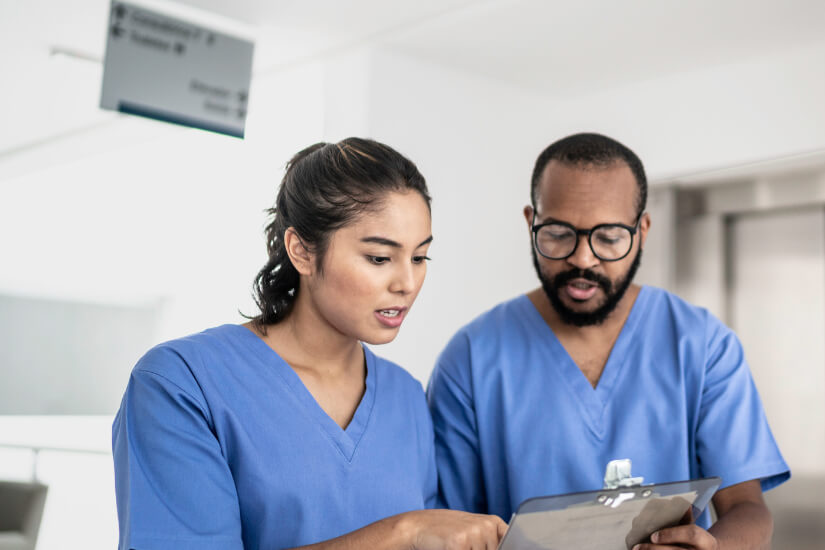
[617, 474]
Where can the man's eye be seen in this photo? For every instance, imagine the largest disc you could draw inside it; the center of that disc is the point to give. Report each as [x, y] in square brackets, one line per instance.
[377, 260]
[557, 235]
[604, 239]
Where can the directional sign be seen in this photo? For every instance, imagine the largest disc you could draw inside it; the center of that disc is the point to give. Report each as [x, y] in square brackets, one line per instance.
[172, 70]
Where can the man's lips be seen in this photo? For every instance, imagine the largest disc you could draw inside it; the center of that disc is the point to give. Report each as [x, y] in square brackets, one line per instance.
[581, 289]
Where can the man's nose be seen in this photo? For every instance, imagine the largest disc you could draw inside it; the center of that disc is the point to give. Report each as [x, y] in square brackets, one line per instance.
[583, 256]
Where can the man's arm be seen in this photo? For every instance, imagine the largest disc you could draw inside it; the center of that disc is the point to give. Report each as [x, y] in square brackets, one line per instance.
[460, 477]
[744, 523]
[734, 442]
[744, 519]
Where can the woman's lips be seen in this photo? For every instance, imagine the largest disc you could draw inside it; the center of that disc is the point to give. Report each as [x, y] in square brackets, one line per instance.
[391, 317]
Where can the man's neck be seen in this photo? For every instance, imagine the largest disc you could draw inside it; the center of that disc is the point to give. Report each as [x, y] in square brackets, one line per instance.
[588, 346]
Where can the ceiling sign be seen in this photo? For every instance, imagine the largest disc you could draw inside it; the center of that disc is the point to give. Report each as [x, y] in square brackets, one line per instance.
[172, 70]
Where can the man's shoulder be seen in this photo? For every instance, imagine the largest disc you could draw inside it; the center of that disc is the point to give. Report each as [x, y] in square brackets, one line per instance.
[661, 302]
[502, 315]
[503, 327]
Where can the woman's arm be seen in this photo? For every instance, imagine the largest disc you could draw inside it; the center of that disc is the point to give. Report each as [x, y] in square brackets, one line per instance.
[423, 530]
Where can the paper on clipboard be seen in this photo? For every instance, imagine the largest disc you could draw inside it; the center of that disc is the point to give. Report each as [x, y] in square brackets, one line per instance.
[614, 519]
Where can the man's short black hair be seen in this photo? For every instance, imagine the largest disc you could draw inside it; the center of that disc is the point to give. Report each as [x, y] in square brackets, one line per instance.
[593, 149]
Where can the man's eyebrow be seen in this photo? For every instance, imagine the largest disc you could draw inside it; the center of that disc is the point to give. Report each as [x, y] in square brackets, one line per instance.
[549, 219]
[389, 242]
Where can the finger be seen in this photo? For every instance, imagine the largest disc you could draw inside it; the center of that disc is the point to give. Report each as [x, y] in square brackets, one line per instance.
[502, 528]
[494, 532]
[692, 535]
[648, 546]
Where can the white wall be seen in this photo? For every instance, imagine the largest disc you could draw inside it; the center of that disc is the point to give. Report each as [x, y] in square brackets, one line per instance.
[763, 108]
[476, 139]
[177, 218]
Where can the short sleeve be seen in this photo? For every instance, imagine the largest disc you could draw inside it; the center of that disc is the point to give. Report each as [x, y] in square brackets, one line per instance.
[431, 498]
[173, 486]
[733, 438]
[460, 477]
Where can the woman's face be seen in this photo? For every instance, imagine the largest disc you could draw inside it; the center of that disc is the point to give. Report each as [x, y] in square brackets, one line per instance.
[374, 268]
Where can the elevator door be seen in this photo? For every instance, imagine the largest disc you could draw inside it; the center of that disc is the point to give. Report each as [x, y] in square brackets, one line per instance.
[776, 304]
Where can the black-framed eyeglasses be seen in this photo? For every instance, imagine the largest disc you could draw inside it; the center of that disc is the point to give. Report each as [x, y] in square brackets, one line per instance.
[609, 242]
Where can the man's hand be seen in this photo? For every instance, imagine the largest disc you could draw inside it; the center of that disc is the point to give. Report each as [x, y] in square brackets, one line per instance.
[744, 523]
[681, 536]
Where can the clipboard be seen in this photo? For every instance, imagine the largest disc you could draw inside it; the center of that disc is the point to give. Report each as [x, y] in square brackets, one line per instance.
[608, 519]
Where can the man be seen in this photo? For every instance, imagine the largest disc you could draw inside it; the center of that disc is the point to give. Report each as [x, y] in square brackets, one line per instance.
[535, 396]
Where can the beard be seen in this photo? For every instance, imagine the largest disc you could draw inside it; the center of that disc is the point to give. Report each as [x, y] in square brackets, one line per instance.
[614, 291]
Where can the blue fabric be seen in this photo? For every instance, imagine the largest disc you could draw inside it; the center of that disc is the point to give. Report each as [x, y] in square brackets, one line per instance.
[515, 418]
[219, 445]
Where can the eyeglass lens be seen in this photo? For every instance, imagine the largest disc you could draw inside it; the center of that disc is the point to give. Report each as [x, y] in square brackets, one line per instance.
[608, 242]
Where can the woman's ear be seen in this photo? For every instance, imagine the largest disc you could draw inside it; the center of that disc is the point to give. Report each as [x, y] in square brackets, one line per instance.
[300, 256]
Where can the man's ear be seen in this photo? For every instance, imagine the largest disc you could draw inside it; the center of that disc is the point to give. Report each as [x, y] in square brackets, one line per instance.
[300, 256]
[644, 226]
[528, 216]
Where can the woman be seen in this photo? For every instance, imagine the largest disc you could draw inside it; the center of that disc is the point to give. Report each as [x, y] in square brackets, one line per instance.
[287, 431]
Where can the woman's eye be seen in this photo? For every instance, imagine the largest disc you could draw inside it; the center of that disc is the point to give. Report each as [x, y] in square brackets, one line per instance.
[377, 260]
[420, 259]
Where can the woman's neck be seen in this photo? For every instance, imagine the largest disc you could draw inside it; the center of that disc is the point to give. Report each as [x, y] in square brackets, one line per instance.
[306, 340]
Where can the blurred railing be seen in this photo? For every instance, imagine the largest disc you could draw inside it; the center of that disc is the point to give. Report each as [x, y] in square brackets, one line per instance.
[37, 449]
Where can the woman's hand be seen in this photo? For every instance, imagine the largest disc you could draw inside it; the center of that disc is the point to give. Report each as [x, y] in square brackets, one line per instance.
[452, 530]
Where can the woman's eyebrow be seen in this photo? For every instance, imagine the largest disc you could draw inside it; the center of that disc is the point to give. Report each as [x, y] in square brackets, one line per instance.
[389, 242]
[381, 240]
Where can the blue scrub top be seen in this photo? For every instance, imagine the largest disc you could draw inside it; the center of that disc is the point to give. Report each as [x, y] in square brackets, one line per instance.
[516, 418]
[219, 445]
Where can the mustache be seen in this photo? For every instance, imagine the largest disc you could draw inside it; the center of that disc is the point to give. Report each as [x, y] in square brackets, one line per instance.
[566, 276]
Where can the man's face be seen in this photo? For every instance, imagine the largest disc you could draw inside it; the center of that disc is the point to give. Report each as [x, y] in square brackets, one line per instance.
[583, 289]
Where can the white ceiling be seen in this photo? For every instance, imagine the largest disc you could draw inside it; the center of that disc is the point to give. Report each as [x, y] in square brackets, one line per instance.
[569, 47]
[560, 48]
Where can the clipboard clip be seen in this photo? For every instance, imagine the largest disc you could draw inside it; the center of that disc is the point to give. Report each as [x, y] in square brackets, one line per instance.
[617, 474]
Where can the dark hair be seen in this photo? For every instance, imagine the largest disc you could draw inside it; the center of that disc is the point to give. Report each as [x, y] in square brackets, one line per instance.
[594, 149]
[326, 186]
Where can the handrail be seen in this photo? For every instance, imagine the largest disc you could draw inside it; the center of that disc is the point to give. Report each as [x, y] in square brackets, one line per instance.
[37, 449]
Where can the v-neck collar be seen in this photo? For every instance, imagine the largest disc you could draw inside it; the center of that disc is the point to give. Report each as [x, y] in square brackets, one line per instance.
[345, 440]
[593, 401]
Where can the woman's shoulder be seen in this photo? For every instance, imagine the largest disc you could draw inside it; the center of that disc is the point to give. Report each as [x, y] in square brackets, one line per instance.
[180, 359]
